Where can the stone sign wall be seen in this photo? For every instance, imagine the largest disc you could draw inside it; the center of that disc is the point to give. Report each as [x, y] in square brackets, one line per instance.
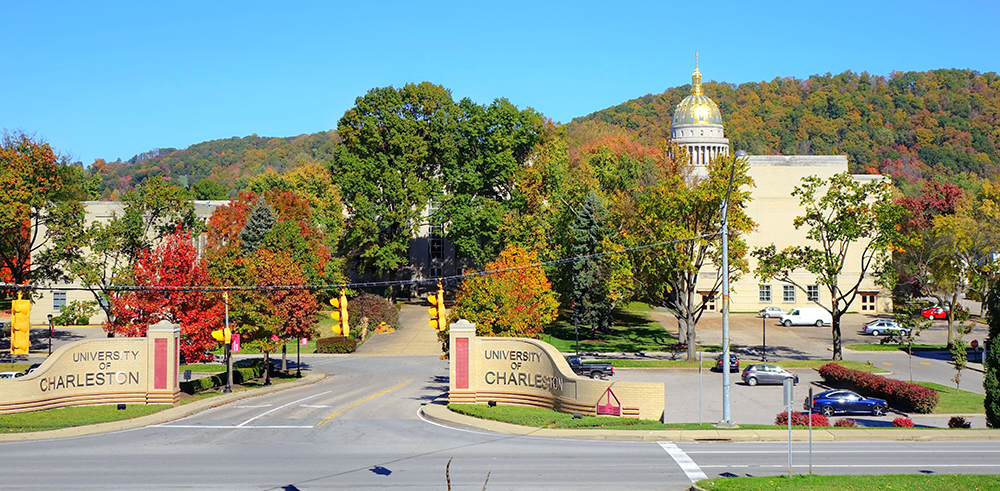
[101, 371]
[528, 372]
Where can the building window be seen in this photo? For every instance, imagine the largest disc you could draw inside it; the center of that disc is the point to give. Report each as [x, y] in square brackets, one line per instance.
[812, 291]
[709, 301]
[868, 302]
[764, 293]
[436, 243]
[58, 301]
[787, 293]
[436, 272]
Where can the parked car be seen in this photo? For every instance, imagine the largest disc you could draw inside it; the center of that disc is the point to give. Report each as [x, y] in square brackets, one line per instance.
[734, 363]
[11, 374]
[768, 312]
[843, 401]
[806, 316]
[592, 370]
[935, 312]
[885, 326]
[765, 373]
[32, 368]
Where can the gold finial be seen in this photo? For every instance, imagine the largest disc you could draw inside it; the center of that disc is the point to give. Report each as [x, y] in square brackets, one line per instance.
[696, 77]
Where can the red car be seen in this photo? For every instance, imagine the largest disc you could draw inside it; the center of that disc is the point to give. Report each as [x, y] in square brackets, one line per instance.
[934, 312]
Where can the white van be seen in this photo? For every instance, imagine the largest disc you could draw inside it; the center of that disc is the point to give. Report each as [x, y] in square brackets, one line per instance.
[805, 316]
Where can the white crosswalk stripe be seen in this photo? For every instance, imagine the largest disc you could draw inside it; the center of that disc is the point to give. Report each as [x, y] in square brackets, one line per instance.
[687, 465]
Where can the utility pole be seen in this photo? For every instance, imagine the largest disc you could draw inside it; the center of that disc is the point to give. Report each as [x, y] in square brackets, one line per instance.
[726, 417]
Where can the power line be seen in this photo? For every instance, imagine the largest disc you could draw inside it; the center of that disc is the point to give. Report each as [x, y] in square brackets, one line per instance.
[353, 286]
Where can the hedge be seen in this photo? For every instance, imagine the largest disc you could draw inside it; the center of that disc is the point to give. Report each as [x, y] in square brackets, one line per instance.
[240, 375]
[336, 344]
[915, 397]
[801, 419]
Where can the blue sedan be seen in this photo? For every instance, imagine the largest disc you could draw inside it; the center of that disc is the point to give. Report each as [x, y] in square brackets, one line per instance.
[845, 401]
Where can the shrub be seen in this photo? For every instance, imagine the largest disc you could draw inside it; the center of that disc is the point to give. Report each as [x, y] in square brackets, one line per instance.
[902, 422]
[336, 344]
[846, 423]
[377, 309]
[915, 397]
[240, 375]
[801, 419]
[958, 422]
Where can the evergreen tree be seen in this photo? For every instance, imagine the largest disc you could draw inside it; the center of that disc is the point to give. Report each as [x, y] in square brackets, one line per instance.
[589, 292]
[259, 223]
[991, 382]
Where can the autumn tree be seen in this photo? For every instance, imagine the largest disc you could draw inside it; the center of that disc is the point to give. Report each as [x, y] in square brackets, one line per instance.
[681, 216]
[162, 277]
[40, 215]
[991, 359]
[108, 250]
[511, 297]
[850, 220]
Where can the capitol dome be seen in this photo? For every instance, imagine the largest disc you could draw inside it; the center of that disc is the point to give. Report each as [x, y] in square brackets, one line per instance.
[697, 108]
[697, 126]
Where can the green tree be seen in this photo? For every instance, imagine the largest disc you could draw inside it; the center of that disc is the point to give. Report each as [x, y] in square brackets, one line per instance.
[494, 144]
[209, 189]
[395, 144]
[592, 303]
[41, 216]
[850, 219]
[991, 360]
[258, 225]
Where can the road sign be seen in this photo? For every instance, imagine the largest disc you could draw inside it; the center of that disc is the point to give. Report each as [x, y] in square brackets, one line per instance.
[974, 344]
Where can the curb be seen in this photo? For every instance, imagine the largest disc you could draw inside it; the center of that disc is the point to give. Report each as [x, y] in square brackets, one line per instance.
[169, 414]
[437, 412]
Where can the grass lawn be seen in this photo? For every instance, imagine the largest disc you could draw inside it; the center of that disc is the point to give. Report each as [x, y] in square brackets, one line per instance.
[924, 482]
[895, 347]
[953, 401]
[633, 331]
[546, 418]
[709, 362]
[67, 417]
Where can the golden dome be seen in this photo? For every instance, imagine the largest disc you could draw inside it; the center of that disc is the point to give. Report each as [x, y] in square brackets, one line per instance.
[697, 108]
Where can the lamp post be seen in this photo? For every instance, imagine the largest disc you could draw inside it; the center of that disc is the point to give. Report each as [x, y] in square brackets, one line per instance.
[576, 329]
[51, 331]
[726, 417]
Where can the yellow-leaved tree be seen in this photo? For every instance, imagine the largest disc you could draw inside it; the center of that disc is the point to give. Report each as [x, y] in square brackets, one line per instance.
[511, 297]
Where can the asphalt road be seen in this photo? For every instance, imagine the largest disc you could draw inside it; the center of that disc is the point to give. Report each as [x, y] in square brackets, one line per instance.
[360, 429]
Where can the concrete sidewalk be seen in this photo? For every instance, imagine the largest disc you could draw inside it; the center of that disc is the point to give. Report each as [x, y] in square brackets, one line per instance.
[438, 412]
[416, 338]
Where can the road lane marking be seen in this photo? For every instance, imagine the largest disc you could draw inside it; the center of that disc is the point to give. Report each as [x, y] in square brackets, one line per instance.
[262, 405]
[281, 407]
[307, 405]
[924, 363]
[839, 466]
[886, 363]
[217, 427]
[687, 465]
[358, 403]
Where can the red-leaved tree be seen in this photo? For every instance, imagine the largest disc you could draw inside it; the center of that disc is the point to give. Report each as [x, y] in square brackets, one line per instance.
[158, 274]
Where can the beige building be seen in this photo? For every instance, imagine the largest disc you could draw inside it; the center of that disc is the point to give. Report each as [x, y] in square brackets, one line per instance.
[698, 127]
[62, 294]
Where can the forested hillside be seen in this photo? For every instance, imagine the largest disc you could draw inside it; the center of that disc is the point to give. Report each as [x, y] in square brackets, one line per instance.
[231, 162]
[911, 125]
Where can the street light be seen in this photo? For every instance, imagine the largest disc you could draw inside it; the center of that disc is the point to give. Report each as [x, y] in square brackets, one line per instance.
[726, 418]
[51, 330]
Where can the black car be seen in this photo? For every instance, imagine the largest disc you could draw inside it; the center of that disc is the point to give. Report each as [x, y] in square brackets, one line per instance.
[734, 363]
[843, 401]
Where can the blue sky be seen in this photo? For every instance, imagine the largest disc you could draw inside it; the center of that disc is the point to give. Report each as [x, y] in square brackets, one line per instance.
[113, 79]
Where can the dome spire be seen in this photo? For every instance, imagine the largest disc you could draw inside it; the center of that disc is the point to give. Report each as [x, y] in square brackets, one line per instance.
[696, 77]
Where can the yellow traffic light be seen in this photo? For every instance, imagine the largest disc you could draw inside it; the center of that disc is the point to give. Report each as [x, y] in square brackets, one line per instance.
[342, 327]
[439, 315]
[20, 325]
[223, 335]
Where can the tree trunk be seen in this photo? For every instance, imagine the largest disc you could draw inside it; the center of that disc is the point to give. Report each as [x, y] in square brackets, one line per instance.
[835, 330]
[284, 359]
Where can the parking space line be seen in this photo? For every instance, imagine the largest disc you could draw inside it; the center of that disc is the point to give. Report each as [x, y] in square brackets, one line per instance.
[691, 469]
[358, 403]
